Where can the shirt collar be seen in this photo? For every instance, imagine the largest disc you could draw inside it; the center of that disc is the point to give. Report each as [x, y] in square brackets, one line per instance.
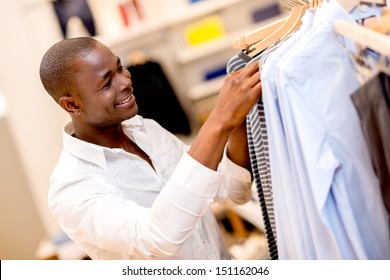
[133, 124]
[91, 152]
[336, 12]
[307, 20]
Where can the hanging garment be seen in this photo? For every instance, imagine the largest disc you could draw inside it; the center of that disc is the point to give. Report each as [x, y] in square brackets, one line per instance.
[258, 147]
[326, 196]
[65, 9]
[258, 152]
[256, 117]
[258, 139]
[156, 98]
[276, 134]
[372, 104]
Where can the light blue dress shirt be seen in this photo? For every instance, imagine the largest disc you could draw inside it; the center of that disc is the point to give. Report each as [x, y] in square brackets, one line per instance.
[326, 195]
[278, 152]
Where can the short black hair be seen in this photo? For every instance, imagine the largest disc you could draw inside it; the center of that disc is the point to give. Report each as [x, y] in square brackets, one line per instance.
[57, 70]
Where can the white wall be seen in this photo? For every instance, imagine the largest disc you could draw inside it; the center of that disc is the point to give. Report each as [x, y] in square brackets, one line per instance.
[20, 226]
[34, 120]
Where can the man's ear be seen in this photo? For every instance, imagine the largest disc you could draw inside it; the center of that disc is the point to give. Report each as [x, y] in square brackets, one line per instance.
[68, 103]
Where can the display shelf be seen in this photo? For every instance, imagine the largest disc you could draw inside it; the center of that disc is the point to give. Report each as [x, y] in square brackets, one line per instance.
[191, 54]
[143, 30]
[161, 24]
[199, 9]
[205, 89]
[194, 53]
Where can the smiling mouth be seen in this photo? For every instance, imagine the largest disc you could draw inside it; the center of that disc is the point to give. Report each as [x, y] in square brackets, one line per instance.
[124, 100]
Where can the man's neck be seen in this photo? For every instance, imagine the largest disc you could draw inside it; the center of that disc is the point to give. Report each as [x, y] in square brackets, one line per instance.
[110, 137]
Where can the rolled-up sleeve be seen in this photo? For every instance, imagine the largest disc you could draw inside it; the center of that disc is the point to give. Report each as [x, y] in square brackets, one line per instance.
[183, 201]
[237, 182]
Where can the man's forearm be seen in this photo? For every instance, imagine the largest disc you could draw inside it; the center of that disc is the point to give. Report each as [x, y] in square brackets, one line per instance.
[209, 144]
[240, 91]
[237, 148]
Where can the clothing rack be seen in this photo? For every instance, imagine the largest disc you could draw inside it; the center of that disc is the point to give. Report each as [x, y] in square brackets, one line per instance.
[365, 37]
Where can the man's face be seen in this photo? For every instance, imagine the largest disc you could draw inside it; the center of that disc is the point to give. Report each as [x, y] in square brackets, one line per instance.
[105, 92]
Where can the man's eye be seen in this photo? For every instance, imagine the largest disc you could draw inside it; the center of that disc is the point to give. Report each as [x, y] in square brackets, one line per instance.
[108, 84]
[120, 68]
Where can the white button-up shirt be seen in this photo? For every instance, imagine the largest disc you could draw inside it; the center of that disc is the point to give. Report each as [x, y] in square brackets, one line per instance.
[116, 206]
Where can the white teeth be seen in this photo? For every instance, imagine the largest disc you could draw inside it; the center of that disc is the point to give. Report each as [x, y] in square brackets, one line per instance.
[124, 101]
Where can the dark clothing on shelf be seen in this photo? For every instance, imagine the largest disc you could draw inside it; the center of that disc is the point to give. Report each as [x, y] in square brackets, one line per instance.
[156, 98]
[65, 9]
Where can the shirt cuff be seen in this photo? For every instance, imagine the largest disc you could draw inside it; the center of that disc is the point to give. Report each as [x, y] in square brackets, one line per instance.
[197, 178]
[233, 170]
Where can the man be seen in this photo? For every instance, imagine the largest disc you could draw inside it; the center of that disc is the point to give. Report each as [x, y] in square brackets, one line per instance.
[124, 187]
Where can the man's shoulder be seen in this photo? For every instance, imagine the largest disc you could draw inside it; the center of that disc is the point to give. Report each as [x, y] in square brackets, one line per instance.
[65, 166]
[72, 171]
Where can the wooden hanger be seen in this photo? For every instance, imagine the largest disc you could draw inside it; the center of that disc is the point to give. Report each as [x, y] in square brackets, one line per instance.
[247, 39]
[257, 35]
[238, 43]
[363, 36]
[292, 22]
